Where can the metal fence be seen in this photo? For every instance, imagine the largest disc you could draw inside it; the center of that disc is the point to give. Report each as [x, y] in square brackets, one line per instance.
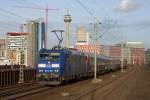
[9, 74]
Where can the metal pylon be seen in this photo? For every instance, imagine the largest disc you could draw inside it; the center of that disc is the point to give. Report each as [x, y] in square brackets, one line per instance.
[21, 75]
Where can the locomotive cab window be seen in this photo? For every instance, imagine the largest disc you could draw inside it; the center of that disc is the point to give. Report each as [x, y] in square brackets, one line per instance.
[50, 56]
[55, 56]
[44, 55]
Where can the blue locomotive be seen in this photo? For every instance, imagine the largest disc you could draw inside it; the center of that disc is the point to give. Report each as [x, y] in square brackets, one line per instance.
[59, 65]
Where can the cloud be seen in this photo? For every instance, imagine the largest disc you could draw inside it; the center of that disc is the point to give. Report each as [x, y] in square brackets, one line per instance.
[128, 6]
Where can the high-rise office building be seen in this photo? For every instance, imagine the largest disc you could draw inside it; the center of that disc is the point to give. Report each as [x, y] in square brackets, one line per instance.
[41, 35]
[82, 37]
[16, 44]
[2, 47]
[35, 40]
[32, 42]
[41, 31]
[3, 52]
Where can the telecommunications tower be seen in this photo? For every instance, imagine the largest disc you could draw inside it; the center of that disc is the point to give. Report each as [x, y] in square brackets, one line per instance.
[67, 20]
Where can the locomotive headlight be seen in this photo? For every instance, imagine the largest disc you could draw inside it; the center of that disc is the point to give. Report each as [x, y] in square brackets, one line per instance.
[56, 70]
[55, 65]
[41, 65]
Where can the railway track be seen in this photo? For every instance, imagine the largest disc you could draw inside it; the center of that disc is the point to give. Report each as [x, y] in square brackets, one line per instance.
[60, 92]
[19, 91]
[70, 92]
[17, 85]
[97, 88]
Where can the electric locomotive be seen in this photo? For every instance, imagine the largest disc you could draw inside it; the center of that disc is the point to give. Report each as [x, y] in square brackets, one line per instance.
[50, 65]
[59, 65]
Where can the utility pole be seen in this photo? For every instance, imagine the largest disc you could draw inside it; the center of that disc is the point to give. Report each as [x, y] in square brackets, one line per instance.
[95, 25]
[95, 55]
[122, 57]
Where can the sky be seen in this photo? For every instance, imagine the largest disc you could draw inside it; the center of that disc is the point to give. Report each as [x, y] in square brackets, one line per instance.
[121, 20]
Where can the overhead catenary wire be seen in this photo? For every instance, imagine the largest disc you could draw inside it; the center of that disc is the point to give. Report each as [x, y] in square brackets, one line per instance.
[10, 16]
[12, 13]
[112, 23]
[27, 3]
[85, 8]
[101, 8]
[90, 13]
[36, 5]
[6, 26]
[2, 15]
[31, 3]
[111, 19]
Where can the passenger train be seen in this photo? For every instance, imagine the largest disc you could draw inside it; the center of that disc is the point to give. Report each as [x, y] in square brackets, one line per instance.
[59, 65]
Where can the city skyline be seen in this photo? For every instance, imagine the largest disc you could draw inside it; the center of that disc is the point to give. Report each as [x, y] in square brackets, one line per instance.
[123, 20]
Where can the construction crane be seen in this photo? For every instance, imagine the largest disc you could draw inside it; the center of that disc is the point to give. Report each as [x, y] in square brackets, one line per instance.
[47, 9]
